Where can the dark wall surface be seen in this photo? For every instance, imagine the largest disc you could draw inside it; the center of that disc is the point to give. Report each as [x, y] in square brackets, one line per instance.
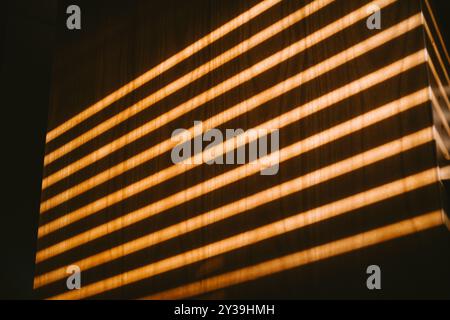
[28, 30]
[26, 40]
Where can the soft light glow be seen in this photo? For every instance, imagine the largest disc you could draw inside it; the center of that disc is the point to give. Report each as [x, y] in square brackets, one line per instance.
[444, 173]
[266, 196]
[204, 97]
[256, 235]
[163, 66]
[315, 254]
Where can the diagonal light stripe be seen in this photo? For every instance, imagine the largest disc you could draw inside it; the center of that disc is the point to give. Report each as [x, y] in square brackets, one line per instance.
[440, 112]
[439, 82]
[315, 254]
[163, 66]
[430, 10]
[190, 77]
[441, 144]
[233, 112]
[436, 50]
[320, 103]
[262, 233]
[210, 94]
[258, 199]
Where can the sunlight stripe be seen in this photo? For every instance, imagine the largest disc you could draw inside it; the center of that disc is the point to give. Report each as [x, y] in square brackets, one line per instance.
[163, 67]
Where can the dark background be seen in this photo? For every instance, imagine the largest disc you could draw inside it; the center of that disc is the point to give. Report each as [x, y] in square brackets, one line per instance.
[28, 29]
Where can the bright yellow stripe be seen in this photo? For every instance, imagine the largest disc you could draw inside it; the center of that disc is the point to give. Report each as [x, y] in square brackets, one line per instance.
[212, 184]
[315, 254]
[262, 233]
[235, 111]
[199, 72]
[258, 199]
[210, 94]
[164, 66]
